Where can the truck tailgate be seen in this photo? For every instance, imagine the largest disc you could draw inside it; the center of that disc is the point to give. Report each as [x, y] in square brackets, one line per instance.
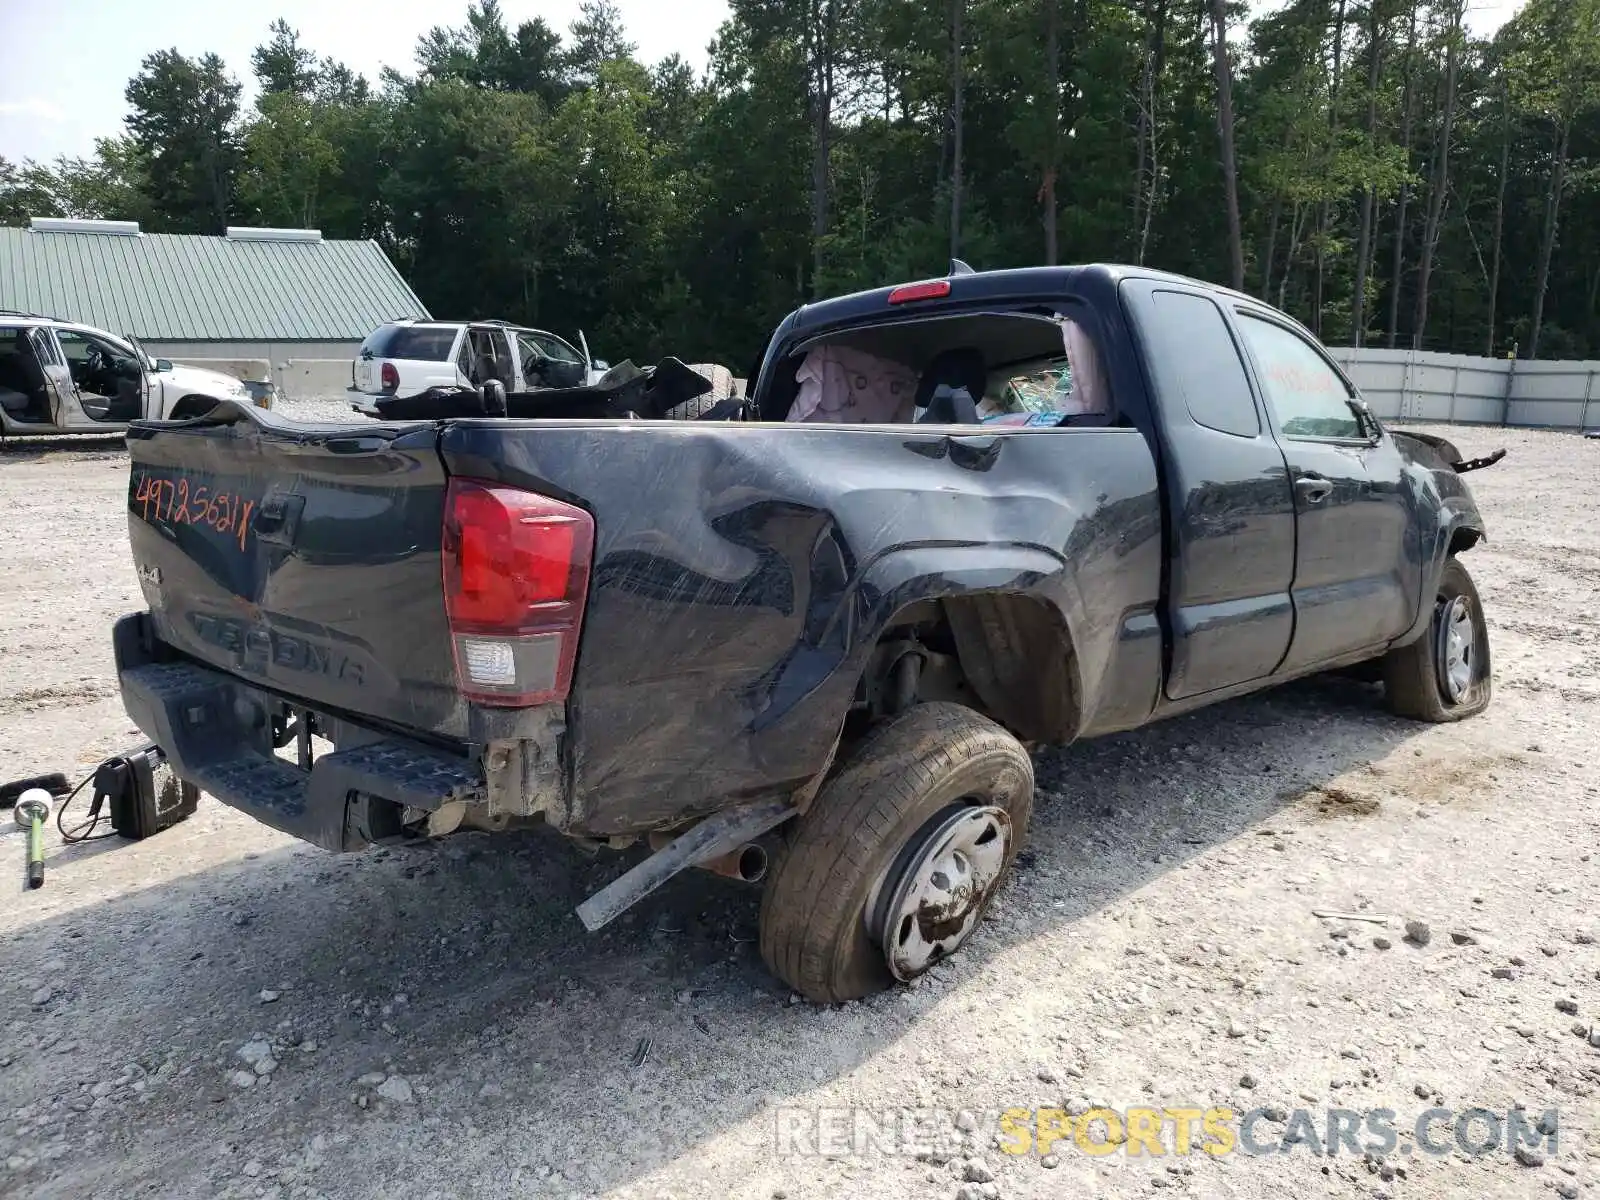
[303, 558]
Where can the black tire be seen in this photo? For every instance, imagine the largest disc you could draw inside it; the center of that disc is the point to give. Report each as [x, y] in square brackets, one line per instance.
[722, 387]
[191, 407]
[693, 410]
[1414, 679]
[903, 777]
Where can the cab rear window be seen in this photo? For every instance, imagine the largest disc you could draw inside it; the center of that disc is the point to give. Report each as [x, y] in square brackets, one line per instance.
[421, 343]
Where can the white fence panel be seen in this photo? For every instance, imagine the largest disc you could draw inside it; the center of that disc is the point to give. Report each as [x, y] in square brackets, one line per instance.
[1461, 389]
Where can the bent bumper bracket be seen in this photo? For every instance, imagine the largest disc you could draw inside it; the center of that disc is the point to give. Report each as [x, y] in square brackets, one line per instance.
[711, 838]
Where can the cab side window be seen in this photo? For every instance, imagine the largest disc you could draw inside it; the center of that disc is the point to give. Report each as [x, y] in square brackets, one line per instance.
[1197, 355]
[45, 345]
[76, 347]
[554, 348]
[96, 365]
[1306, 395]
[530, 352]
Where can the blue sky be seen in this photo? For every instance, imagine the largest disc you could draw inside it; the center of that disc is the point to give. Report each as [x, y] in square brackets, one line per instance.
[64, 63]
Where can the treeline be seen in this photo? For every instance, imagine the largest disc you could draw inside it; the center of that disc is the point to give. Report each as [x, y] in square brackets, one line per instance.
[1366, 164]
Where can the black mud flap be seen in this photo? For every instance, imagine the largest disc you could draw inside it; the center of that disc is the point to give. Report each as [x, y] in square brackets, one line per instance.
[1477, 464]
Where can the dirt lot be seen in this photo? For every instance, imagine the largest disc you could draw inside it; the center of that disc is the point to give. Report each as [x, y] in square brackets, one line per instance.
[221, 1012]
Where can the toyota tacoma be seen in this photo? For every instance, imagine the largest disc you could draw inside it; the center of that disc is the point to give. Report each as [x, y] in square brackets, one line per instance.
[814, 643]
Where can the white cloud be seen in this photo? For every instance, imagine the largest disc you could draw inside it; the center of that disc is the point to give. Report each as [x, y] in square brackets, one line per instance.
[36, 107]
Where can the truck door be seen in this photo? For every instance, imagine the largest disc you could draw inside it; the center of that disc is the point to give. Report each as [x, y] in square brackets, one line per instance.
[1230, 510]
[1356, 577]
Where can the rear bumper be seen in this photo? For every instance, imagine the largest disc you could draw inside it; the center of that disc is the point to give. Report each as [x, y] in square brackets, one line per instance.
[365, 403]
[216, 731]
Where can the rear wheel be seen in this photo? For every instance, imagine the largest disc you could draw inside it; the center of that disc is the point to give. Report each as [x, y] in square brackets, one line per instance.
[893, 866]
[1445, 674]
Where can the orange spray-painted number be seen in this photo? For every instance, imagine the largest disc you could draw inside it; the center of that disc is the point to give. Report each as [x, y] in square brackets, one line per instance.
[174, 503]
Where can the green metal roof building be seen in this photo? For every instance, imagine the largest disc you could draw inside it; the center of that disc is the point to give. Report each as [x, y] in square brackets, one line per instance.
[284, 296]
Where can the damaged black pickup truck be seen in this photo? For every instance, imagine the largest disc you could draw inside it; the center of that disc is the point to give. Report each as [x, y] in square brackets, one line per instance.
[951, 521]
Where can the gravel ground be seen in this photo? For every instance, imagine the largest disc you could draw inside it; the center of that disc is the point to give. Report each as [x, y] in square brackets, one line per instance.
[219, 1011]
[325, 408]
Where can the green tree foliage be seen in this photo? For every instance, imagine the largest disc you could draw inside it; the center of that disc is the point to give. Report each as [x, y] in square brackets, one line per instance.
[1398, 180]
[1553, 59]
[113, 184]
[598, 38]
[308, 154]
[183, 120]
[282, 64]
[27, 190]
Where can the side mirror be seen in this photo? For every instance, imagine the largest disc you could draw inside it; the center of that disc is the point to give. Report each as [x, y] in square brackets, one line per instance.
[163, 364]
[601, 365]
[1367, 423]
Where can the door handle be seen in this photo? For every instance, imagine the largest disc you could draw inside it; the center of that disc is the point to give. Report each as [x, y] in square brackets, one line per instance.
[1313, 488]
[278, 518]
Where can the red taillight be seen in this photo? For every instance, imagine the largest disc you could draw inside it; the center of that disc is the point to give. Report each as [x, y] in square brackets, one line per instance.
[933, 289]
[390, 377]
[516, 570]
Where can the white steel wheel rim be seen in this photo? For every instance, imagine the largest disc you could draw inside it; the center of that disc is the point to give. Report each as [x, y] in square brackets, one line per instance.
[953, 866]
[1458, 648]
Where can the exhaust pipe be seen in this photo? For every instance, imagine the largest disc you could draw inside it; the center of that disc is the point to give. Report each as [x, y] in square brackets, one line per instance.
[747, 863]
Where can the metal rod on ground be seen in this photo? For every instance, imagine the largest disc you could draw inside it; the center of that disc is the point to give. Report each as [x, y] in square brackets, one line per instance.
[32, 811]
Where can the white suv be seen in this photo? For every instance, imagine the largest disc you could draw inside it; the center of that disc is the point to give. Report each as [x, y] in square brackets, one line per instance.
[62, 377]
[405, 358]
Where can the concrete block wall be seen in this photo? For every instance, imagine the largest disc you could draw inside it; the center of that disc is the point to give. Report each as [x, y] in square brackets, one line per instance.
[312, 378]
[297, 370]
